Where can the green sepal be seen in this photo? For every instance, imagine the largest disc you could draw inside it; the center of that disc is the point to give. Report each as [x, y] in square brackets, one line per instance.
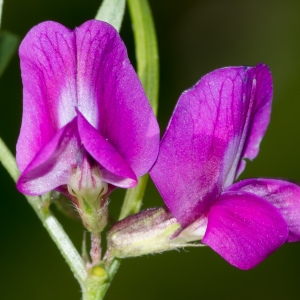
[150, 231]
[65, 205]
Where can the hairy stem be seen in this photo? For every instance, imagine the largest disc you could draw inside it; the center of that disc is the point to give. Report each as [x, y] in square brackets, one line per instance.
[95, 252]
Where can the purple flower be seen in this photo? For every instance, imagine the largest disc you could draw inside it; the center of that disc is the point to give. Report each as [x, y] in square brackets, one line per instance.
[216, 125]
[87, 125]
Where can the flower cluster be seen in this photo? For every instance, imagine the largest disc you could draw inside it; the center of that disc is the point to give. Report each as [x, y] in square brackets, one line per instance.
[88, 127]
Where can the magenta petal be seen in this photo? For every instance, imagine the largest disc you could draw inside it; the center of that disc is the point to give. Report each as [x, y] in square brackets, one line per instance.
[111, 97]
[259, 91]
[244, 229]
[115, 169]
[285, 196]
[52, 166]
[205, 139]
[48, 68]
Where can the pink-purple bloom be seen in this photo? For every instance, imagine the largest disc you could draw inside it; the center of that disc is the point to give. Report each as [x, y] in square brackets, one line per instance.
[215, 127]
[86, 117]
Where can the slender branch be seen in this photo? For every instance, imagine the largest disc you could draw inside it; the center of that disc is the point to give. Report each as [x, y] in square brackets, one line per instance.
[66, 247]
[53, 227]
[8, 161]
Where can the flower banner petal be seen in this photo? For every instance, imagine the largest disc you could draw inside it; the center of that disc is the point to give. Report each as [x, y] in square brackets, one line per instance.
[111, 97]
[285, 196]
[52, 166]
[48, 68]
[116, 170]
[259, 90]
[244, 229]
[205, 138]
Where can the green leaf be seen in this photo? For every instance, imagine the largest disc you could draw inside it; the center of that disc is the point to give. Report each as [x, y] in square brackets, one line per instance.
[146, 48]
[112, 12]
[8, 46]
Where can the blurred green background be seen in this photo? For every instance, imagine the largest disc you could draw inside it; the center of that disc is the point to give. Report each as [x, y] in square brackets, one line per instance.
[195, 37]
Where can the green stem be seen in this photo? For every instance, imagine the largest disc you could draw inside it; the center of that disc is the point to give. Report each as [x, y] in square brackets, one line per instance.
[53, 227]
[112, 270]
[95, 252]
[133, 198]
[8, 161]
[64, 244]
[99, 280]
[92, 288]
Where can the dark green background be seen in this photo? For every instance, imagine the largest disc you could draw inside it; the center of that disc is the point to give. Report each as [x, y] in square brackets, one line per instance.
[194, 37]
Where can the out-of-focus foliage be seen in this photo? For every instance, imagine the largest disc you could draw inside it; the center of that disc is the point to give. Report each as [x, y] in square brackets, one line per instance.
[8, 46]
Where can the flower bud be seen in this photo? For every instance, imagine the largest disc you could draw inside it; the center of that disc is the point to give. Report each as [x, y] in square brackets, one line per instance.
[149, 231]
